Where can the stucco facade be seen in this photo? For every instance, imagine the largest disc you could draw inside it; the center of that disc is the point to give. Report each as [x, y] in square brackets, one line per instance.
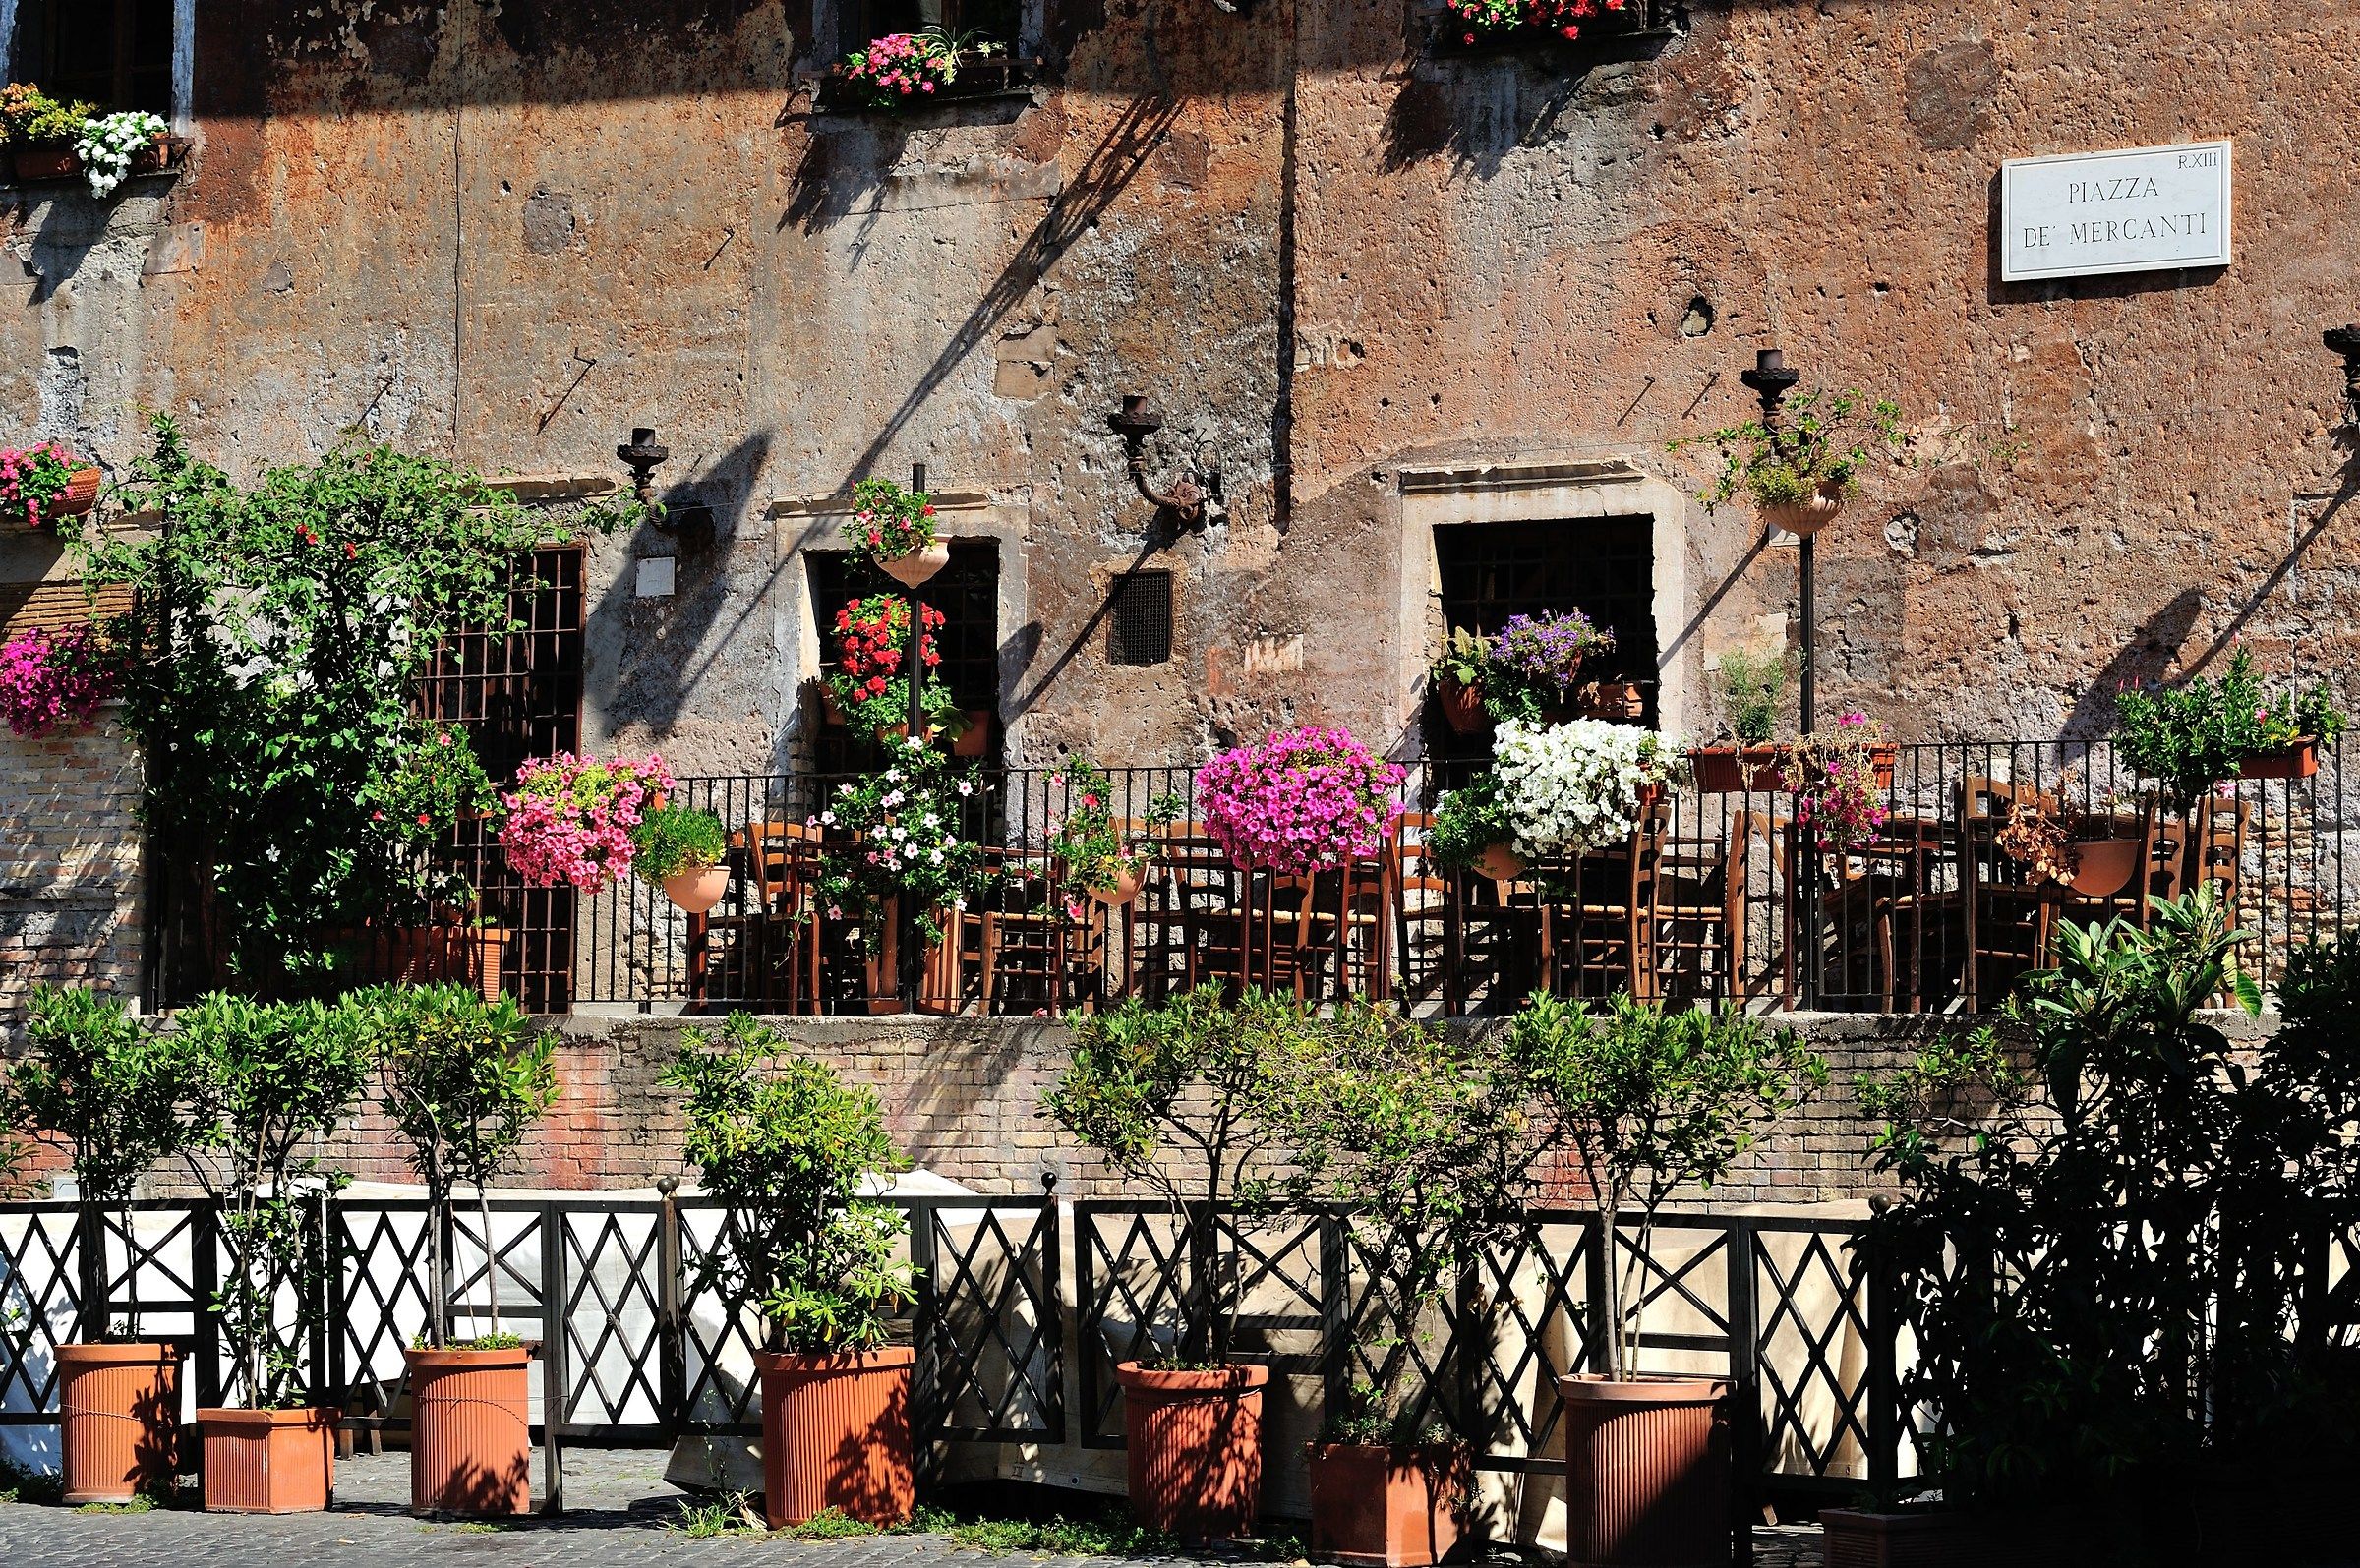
[1378, 287]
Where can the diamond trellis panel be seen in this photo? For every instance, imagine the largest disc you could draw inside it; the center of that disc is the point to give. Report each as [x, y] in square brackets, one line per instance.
[1812, 1348]
[382, 1301]
[613, 1318]
[994, 1341]
[1518, 1328]
[38, 1306]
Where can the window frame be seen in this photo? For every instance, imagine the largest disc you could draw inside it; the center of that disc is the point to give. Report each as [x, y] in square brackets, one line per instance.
[183, 55]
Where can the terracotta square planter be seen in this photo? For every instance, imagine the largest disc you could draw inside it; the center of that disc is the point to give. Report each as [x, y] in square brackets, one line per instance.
[267, 1461]
[471, 1434]
[1383, 1507]
[1941, 1537]
[1193, 1441]
[2298, 761]
[1734, 770]
[836, 1435]
[121, 1432]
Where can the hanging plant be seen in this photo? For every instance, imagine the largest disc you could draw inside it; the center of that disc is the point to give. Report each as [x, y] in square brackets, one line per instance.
[903, 69]
[1311, 799]
[1565, 789]
[869, 683]
[1535, 663]
[41, 484]
[1799, 474]
[52, 678]
[1839, 779]
[111, 144]
[1100, 860]
[570, 819]
[899, 831]
[888, 521]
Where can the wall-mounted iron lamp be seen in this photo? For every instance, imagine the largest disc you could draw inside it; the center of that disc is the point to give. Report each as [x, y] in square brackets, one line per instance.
[641, 454]
[1188, 504]
[2345, 341]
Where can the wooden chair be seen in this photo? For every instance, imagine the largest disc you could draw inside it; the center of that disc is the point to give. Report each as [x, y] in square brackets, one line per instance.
[1421, 905]
[1878, 907]
[2004, 913]
[772, 946]
[1034, 951]
[1595, 943]
[1696, 923]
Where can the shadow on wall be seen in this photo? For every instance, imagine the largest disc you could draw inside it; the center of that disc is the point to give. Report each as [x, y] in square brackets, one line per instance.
[1479, 109]
[2148, 657]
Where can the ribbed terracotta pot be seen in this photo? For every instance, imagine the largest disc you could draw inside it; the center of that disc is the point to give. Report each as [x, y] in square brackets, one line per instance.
[1387, 1507]
[1647, 1472]
[1193, 1441]
[1123, 889]
[471, 1433]
[80, 494]
[121, 1406]
[1807, 516]
[836, 1435]
[918, 565]
[267, 1461]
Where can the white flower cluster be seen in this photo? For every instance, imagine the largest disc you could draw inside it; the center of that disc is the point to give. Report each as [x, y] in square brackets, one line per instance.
[1570, 788]
[110, 143]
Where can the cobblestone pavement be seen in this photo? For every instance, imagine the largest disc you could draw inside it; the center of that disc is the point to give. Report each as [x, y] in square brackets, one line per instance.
[620, 1513]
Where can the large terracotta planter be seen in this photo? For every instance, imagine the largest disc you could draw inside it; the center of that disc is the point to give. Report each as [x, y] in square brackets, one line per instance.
[1387, 1507]
[2297, 761]
[471, 1436]
[1193, 1441]
[1462, 706]
[1735, 770]
[121, 1428]
[1647, 1472]
[918, 565]
[1858, 1538]
[836, 1435]
[697, 889]
[267, 1461]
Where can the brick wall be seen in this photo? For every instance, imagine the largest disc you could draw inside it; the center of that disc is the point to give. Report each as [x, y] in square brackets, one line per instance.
[70, 885]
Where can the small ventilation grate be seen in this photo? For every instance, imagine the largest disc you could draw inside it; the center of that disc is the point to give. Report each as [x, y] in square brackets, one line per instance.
[1139, 631]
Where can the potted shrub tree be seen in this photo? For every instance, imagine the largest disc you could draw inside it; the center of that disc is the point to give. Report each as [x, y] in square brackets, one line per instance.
[791, 1151]
[1799, 473]
[1752, 689]
[1423, 1138]
[1649, 1101]
[1456, 676]
[680, 850]
[1198, 1099]
[264, 1083]
[463, 1081]
[100, 1085]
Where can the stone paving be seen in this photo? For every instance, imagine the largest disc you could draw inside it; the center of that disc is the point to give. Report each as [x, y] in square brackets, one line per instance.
[620, 1512]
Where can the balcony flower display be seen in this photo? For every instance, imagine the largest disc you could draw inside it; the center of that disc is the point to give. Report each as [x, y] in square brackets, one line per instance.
[569, 820]
[869, 684]
[2193, 735]
[1103, 858]
[903, 68]
[1565, 789]
[1311, 799]
[1535, 662]
[52, 677]
[41, 484]
[1839, 779]
[1478, 20]
[899, 831]
[110, 144]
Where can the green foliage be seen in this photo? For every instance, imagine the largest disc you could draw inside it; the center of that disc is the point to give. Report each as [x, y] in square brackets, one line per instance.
[788, 1147]
[263, 1084]
[1465, 658]
[1469, 820]
[1752, 688]
[2107, 1198]
[1202, 1100]
[1650, 1100]
[98, 1084]
[1095, 855]
[31, 119]
[1822, 441]
[2200, 731]
[464, 1080]
[1374, 1417]
[271, 659]
[671, 840]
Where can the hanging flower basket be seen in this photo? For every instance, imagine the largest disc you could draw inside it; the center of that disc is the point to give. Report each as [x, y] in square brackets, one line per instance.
[1308, 800]
[2104, 867]
[569, 820]
[41, 484]
[1462, 706]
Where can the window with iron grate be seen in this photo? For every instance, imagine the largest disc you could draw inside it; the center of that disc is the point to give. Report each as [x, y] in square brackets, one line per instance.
[997, 20]
[1603, 567]
[967, 592]
[1139, 631]
[114, 53]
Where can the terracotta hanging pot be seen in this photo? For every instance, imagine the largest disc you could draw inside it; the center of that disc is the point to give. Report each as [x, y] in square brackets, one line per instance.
[1193, 1442]
[918, 565]
[836, 1435]
[1500, 863]
[80, 494]
[1462, 706]
[2297, 761]
[698, 889]
[120, 1432]
[975, 738]
[1806, 517]
[471, 1437]
[267, 1461]
[1383, 1507]
[1122, 890]
[1647, 1471]
[2104, 867]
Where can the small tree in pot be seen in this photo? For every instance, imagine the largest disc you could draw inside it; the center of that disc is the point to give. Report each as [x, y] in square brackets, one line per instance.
[1199, 1099]
[264, 1082]
[1424, 1136]
[102, 1086]
[1648, 1101]
[790, 1148]
[464, 1080]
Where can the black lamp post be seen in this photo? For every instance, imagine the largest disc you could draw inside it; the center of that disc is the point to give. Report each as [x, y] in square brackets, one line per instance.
[1771, 381]
[910, 570]
[2345, 341]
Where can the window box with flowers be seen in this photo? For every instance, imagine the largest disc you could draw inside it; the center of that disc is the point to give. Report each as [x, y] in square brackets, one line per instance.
[1533, 27]
[1310, 799]
[52, 140]
[567, 823]
[902, 73]
[2193, 735]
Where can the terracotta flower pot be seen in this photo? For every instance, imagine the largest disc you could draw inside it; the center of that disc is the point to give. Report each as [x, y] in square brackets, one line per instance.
[48, 163]
[471, 1437]
[1885, 760]
[2297, 761]
[2104, 867]
[1939, 1538]
[975, 738]
[1194, 1446]
[1462, 706]
[1734, 770]
[1647, 1471]
[1500, 863]
[80, 494]
[697, 889]
[1803, 518]
[485, 948]
[1387, 1507]
[267, 1461]
[918, 565]
[1122, 890]
[830, 710]
[121, 1429]
[836, 1435]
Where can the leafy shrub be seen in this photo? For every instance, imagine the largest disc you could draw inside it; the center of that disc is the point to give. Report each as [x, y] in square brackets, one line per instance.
[1467, 821]
[33, 120]
[2200, 731]
[671, 840]
[1754, 690]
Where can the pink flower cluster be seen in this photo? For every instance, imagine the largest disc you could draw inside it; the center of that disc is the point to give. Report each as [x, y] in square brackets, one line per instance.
[1311, 799]
[48, 677]
[902, 64]
[569, 820]
[31, 478]
[1837, 798]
